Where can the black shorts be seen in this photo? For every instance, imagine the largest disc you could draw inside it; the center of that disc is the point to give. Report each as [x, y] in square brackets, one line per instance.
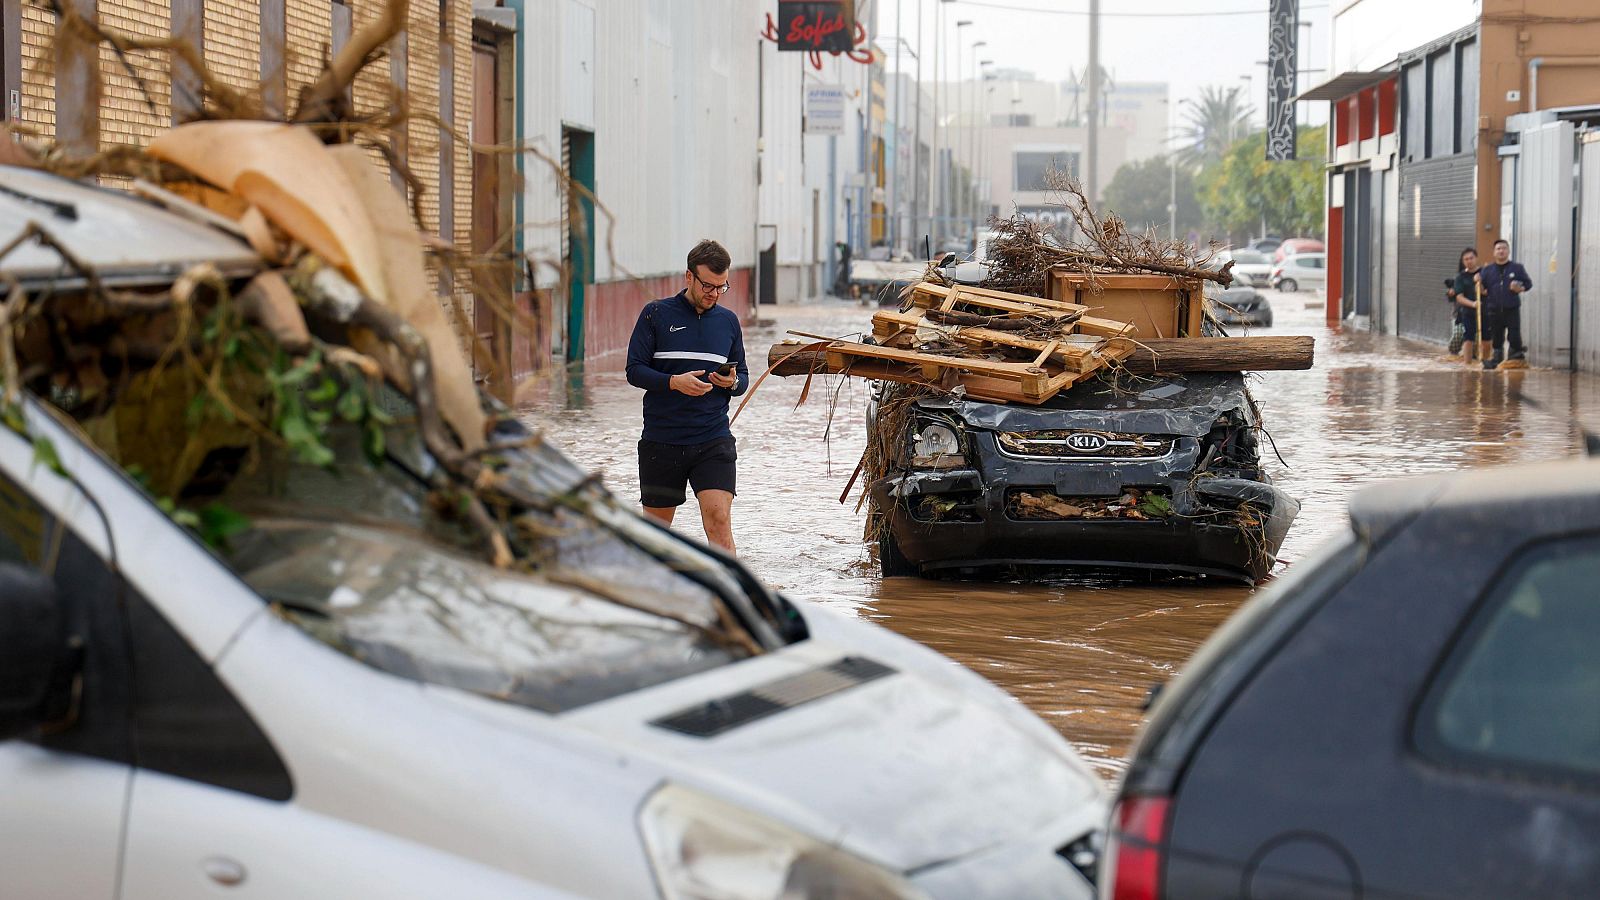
[664, 468]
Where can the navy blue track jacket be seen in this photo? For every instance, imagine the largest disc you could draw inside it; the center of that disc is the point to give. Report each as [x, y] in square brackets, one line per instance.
[671, 338]
[1497, 279]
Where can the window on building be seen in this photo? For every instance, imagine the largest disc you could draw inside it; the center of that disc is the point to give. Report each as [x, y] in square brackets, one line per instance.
[1518, 690]
[1442, 103]
[1031, 167]
[1466, 96]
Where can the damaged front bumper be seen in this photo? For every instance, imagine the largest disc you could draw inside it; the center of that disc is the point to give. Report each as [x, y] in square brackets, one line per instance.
[965, 519]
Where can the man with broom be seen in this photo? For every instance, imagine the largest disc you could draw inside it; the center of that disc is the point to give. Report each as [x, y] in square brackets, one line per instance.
[1503, 282]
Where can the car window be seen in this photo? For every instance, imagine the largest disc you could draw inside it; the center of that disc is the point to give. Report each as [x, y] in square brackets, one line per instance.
[1518, 691]
[146, 698]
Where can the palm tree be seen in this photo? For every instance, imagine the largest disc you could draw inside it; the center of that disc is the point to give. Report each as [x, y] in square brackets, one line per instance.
[1212, 123]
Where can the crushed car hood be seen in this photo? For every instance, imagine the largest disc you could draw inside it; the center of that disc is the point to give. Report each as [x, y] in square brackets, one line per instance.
[901, 769]
[1185, 405]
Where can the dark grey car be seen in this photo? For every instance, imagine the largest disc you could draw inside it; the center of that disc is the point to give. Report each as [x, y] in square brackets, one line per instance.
[1415, 712]
[1147, 474]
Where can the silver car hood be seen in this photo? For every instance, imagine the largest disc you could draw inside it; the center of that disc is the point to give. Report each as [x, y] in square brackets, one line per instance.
[911, 769]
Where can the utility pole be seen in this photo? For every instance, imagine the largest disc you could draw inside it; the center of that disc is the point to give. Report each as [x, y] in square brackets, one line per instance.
[1092, 186]
[936, 186]
[893, 235]
[916, 141]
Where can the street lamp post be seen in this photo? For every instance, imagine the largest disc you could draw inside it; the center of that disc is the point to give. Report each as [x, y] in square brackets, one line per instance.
[972, 144]
[961, 114]
[983, 137]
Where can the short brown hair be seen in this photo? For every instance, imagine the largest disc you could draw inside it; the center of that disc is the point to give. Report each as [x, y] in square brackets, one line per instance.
[710, 254]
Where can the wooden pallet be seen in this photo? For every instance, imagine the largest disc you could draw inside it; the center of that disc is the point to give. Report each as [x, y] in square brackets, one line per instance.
[927, 295]
[1079, 353]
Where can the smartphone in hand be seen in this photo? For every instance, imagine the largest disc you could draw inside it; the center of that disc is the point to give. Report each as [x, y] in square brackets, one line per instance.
[726, 369]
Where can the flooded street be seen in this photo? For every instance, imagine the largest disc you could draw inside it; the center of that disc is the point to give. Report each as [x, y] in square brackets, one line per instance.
[1083, 653]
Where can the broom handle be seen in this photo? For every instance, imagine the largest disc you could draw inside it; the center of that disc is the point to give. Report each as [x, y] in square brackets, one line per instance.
[1478, 351]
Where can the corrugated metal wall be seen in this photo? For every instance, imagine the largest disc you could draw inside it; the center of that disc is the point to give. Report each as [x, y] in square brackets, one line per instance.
[1543, 242]
[1588, 255]
[1389, 252]
[673, 104]
[1435, 224]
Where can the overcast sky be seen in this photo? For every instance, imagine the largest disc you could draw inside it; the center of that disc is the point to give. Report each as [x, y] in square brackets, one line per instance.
[1186, 43]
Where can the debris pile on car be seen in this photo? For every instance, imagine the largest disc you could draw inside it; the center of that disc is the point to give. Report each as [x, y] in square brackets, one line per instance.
[1078, 406]
[1043, 504]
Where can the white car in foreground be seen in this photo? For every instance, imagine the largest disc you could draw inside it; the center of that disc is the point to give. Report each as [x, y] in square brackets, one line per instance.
[339, 704]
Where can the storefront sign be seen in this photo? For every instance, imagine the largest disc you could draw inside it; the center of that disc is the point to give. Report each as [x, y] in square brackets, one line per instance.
[822, 27]
[824, 109]
[816, 26]
[1283, 34]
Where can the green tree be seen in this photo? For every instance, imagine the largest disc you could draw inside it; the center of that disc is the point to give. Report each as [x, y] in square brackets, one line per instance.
[1243, 191]
[1212, 124]
[1139, 192]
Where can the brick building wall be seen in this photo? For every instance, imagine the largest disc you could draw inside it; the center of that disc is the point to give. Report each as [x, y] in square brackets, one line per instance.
[135, 109]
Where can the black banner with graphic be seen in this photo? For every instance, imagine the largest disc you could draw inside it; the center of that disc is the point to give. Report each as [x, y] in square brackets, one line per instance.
[816, 25]
[1283, 36]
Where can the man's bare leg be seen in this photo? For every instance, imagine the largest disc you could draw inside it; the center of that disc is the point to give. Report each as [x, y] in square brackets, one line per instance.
[662, 514]
[716, 514]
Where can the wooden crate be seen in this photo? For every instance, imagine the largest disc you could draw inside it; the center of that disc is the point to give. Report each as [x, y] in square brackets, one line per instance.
[1156, 306]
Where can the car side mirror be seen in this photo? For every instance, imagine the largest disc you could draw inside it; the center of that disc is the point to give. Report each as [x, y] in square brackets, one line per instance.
[38, 658]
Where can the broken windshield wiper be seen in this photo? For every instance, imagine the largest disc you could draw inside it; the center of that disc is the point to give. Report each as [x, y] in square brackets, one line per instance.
[61, 209]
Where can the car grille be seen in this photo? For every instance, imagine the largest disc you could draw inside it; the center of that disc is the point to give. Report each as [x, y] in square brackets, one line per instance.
[1084, 445]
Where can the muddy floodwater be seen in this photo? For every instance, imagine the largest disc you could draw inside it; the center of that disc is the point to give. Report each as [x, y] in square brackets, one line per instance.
[1080, 653]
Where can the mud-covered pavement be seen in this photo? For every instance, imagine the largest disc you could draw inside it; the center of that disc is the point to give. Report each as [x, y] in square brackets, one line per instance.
[1083, 653]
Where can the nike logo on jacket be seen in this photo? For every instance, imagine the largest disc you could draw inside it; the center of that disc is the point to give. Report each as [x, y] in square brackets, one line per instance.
[671, 338]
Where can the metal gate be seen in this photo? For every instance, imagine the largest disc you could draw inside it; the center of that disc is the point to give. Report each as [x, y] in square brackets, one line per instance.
[1543, 242]
[1435, 224]
[1587, 336]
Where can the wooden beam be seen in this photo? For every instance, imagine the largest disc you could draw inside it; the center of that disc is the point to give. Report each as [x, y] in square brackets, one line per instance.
[1163, 355]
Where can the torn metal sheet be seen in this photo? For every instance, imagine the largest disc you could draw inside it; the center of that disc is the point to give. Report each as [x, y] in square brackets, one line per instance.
[128, 242]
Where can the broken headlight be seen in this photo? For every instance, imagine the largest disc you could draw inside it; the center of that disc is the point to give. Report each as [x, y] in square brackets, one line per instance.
[936, 445]
[702, 848]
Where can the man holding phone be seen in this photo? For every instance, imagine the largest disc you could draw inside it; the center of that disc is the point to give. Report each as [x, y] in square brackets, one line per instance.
[1504, 282]
[687, 353]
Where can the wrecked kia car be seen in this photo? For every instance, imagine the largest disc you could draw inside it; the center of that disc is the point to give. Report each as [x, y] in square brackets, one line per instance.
[1159, 475]
[280, 612]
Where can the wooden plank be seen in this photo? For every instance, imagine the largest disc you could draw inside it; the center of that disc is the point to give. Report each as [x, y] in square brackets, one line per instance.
[1045, 353]
[1165, 355]
[1014, 371]
[1099, 327]
[1066, 353]
[934, 296]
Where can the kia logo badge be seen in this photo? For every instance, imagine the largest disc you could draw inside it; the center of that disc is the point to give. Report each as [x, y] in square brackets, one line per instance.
[1086, 442]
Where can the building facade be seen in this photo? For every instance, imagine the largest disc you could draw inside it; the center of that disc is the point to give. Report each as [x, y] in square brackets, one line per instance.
[268, 50]
[1456, 123]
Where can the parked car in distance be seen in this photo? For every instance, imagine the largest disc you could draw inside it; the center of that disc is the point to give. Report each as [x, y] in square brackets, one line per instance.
[1251, 267]
[1409, 712]
[1241, 306]
[1265, 244]
[1300, 270]
[1294, 246]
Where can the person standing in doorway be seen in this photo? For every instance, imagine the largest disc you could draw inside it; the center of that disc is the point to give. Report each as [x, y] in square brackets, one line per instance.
[1504, 282]
[687, 353]
[1463, 292]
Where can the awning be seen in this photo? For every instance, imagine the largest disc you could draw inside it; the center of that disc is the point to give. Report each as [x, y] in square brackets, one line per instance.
[1346, 83]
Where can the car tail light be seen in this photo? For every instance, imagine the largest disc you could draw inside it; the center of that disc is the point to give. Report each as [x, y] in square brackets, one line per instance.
[1135, 849]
